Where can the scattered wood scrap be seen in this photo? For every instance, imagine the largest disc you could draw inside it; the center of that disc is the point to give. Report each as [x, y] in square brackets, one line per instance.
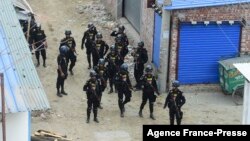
[43, 135]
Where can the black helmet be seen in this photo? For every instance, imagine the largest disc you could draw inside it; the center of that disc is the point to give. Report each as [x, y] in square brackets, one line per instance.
[67, 32]
[101, 61]
[141, 44]
[92, 73]
[90, 25]
[121, 28]
[124, 67]
[149, 68]
[176, 83]
[119, 38]
[99, 35]
[38, 26]
[63, 49]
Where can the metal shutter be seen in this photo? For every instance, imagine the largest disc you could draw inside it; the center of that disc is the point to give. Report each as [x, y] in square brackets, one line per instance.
[200, 48]
[132, 11]
[157, 40]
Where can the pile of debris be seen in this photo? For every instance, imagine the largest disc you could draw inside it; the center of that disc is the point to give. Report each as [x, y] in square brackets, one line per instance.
[97, 12]
[43, 135]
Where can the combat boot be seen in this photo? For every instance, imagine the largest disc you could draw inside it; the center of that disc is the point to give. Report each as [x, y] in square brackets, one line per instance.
[111, 91]
[95, 116]
[44, 64]
[38, 63]
[58, 94]
[152, 116]
[63, 92]
[140, 113]
[87, 121]
[122, 114]
[96, 120]
[71, 72]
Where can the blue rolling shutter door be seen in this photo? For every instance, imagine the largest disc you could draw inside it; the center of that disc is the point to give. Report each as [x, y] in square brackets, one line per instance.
[157, 40]
[200, 48]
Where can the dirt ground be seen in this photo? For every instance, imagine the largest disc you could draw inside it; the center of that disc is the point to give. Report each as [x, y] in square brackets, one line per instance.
[68, 114]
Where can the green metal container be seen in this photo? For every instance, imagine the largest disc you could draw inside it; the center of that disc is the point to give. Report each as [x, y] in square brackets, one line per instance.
[230, 77]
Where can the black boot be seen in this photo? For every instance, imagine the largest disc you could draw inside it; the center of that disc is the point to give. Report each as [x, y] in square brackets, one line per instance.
[111, 90]
[140, 113]
[89, 61]
[152, 116]
[44, 63]
[58, 93]
[88, 116]
[95, 116]
[71, 72]
[63, 92]
[38, 63]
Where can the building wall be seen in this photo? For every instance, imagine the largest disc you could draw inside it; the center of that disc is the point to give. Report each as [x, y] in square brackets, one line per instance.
[147, 28]
[17, 127]
[205, 14]
[147, 21]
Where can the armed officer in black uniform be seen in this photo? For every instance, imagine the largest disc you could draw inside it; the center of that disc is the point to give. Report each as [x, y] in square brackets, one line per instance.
[140, 58]
[88, 40]
[121, 32]
[39, 41]
[121, 48]
[124, 88]
[102, 74]
[93, 91]
[175, 100]
[61, 70]
[149, 86]
[100, 48]
[114, 62]
[71, 55]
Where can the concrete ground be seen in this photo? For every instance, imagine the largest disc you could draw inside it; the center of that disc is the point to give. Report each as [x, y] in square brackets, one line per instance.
[68, 114]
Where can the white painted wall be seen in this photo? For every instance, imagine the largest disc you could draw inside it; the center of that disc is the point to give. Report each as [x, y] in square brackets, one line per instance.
[17, 127]
[246, 104]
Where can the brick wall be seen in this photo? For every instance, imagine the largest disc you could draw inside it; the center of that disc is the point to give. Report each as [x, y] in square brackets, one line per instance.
[206, 14]
[147, 28]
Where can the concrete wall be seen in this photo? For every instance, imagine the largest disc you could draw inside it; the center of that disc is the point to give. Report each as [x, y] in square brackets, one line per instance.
[205, 14]
[147, 21]
[17, 127]
[147, 28]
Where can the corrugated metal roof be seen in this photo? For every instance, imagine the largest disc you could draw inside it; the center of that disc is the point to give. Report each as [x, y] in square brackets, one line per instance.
[185, 4]
[244, 69]
[23, 88]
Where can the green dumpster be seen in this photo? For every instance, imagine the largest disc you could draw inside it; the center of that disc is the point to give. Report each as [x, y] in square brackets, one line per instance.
[230, 77]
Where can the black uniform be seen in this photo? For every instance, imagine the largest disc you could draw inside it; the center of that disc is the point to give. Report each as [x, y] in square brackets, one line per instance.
[61, 61]
[140, 58]
[39, 41]
[124, 37]
[114, 61]
[70, 56]
[122, 50]
[100, 48]
[149, 88]
[93, 91]
[102, 75]
[124, 88]
[175, 100]
[89, 37]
